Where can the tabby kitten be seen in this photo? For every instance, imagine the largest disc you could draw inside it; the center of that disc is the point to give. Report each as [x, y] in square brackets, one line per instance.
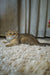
[14, 38]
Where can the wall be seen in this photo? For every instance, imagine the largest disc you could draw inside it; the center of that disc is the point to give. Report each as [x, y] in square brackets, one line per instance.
[9, 12]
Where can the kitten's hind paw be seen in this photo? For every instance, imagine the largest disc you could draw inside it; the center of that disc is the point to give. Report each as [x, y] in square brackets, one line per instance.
[9, 45]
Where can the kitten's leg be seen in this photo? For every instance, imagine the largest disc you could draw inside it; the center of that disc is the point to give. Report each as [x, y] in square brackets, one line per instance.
[13, 42]
[5, 42]
[9, 45]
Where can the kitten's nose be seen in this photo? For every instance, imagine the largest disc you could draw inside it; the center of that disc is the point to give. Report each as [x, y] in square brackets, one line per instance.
[12, 34]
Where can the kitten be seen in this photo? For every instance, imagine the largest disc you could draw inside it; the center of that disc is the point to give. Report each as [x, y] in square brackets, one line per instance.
[30, 39]
[14, 38]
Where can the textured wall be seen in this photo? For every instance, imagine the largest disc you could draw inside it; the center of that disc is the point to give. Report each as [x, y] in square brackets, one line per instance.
[9, 16]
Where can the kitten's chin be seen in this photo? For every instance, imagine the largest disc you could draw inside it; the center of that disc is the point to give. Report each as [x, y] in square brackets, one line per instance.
[9, 38]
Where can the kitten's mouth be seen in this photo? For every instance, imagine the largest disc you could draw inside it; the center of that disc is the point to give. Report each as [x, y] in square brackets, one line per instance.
[9, 38]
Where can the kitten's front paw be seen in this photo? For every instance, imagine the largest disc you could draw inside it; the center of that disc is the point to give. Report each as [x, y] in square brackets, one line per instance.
[4, 41]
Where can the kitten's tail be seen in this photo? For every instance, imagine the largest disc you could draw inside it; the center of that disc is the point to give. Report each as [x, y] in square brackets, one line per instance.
[44, 44]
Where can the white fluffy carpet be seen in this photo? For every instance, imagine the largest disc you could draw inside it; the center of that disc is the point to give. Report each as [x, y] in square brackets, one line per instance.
[24, 59]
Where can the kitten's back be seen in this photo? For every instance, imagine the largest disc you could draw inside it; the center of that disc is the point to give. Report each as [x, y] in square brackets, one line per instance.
[28, 39]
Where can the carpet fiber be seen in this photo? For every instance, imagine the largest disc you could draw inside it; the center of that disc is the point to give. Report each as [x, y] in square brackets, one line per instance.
[24, 59]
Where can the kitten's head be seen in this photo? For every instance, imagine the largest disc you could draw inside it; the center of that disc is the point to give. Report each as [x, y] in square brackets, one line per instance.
[11, 35]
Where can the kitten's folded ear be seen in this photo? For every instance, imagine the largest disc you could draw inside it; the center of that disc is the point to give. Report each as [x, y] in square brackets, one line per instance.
[7, 31]
[18, 32]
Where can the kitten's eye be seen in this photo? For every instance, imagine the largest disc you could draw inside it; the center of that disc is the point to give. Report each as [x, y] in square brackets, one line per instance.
[10, 33]
[14, 33]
